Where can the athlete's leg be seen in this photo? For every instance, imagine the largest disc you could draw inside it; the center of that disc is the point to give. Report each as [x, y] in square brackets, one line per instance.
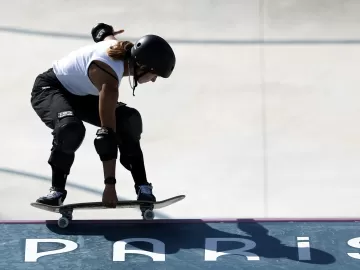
[129, 130]
[52, 104]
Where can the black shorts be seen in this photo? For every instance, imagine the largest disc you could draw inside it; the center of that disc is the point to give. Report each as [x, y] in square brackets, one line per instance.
[49, 98]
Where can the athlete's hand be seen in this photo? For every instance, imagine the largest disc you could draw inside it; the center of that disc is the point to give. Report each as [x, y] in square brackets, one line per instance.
[109, 198]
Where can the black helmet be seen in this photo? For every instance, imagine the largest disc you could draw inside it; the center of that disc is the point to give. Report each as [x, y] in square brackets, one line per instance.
[155, 53]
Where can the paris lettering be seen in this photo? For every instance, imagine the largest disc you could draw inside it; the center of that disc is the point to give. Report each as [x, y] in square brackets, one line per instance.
[158, 253]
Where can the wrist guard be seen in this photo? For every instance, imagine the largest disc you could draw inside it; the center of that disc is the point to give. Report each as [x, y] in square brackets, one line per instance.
[110, 181]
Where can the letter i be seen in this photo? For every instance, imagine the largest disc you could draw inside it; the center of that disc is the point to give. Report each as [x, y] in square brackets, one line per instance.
[303, 245]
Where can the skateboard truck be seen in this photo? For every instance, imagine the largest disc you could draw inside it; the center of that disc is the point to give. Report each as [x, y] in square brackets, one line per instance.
[66, 217]
[147, 211]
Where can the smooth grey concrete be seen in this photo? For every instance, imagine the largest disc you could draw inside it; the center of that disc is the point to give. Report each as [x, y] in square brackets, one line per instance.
[258, 120]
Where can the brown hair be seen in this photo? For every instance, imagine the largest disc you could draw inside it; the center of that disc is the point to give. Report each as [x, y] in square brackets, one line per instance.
[120, 50]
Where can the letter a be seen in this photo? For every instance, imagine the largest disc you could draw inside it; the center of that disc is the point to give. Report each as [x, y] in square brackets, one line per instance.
[158, 253]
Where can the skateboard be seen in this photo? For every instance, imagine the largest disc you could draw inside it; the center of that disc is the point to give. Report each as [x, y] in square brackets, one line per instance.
[146, 208]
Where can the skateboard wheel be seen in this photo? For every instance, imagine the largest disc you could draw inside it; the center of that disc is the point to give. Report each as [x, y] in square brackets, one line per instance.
[63, 222]
[148, 215]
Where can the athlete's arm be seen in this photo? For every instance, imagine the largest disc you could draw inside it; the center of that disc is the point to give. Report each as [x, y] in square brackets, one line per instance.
[104, 78]
[110, 38]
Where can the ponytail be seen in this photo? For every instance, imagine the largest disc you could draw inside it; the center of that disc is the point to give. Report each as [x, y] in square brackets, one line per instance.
[120, 51]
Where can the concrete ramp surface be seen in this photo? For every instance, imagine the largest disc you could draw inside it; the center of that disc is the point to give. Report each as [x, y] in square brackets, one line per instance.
[259, 119]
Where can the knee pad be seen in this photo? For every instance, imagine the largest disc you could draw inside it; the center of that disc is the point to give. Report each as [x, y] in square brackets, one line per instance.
[68, 134]
[129, 124]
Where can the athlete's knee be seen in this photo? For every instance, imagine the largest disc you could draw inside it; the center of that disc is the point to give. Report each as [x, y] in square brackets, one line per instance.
[129, 129]
[129, 125]
[68, 134]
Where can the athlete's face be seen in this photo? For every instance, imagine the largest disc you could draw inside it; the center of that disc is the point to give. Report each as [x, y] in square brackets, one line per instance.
[147, 77]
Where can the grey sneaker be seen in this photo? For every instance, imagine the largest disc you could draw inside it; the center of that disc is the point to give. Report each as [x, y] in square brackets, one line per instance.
[54, 198]
[144, 193]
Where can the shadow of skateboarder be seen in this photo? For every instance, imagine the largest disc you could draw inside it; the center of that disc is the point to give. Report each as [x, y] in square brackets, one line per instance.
[180, 237]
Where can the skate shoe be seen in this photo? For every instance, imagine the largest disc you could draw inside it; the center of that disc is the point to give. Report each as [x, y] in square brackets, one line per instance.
[54, 198]
[144, 193]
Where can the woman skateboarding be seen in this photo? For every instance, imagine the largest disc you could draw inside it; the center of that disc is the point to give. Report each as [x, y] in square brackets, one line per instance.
[84, 87]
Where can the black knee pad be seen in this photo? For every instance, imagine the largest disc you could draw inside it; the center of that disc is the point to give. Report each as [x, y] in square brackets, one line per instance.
[68, 134]
[129, 124]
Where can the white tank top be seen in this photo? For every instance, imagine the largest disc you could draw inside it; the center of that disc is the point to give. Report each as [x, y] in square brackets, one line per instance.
[72, 69]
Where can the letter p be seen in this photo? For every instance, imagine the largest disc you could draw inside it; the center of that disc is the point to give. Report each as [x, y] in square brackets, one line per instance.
[31, 248]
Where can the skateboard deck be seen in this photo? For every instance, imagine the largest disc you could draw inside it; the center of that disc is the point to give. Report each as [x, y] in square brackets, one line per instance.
[100, 205]
[146, 207]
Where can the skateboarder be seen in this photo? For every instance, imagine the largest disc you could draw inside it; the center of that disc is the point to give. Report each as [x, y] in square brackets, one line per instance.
[84, 87]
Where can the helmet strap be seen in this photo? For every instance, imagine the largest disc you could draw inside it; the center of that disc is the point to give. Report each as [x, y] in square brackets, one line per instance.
[135, 78]
[135, 75]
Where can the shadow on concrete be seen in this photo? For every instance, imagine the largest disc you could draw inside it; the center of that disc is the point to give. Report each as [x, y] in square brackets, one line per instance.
[180, 236]
[73, 185]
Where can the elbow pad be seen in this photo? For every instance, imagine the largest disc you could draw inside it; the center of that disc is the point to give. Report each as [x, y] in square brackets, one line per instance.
[101, 31]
